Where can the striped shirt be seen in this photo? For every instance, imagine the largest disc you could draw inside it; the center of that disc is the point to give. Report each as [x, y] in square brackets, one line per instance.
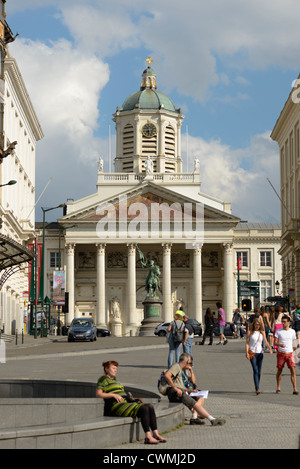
[112, 407]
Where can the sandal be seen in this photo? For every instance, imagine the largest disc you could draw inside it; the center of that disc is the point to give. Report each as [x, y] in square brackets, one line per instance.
[148, 442]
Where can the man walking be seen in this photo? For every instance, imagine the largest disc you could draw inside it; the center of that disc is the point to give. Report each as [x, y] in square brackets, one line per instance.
[285, 340]
[222, 323]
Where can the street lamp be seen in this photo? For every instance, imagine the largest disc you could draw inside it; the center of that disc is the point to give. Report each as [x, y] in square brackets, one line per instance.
[9, 183]
[41, 295]
[277, 286]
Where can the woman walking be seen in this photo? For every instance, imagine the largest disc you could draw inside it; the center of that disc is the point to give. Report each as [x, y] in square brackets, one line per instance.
[254, 349]
[277, 324]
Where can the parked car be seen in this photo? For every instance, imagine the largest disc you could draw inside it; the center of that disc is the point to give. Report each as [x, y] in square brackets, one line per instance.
[102, 332]
[228, 330]
[196, 325]
[82, 329]
[161, 329]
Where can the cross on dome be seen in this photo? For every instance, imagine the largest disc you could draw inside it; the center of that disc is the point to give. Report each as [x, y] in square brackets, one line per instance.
[149, 60]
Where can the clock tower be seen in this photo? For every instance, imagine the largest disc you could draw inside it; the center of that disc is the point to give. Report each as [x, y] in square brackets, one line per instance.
[148, 125]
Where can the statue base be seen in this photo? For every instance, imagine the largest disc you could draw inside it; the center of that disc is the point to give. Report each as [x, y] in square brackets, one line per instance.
[116, 327]
[152, 316]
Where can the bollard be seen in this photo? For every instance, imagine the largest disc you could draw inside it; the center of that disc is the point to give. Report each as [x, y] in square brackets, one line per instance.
[22, 336]
[16, 336]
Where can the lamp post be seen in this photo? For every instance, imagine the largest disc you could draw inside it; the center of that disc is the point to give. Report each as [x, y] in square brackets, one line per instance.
[42, 275]
[61, 229]
[9, 183]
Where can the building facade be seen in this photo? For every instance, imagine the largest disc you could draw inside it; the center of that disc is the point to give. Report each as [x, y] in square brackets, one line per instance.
[20, 132]
[287, 134]
[148, 207]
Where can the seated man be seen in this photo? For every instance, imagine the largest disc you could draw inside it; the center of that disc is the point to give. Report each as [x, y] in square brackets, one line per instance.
[177, 392]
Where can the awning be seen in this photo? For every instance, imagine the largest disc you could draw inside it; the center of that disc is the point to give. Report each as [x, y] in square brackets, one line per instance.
[13, 253]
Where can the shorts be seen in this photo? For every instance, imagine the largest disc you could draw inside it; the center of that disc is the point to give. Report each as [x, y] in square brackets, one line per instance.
[285, 358]
[221, 329]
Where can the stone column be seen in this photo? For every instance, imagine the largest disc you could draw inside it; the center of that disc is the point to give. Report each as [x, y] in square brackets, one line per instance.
[197, 282]
[70, 284]
[131, 324]
[228, 281]
[167, 290]
[100, 308]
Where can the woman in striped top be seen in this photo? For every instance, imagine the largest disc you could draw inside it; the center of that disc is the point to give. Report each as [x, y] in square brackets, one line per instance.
[118, 404]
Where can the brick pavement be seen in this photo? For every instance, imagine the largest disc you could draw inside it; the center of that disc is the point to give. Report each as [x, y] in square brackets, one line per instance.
[265, 421]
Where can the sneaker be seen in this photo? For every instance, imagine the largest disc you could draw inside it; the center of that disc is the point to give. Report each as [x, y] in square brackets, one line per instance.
[225, 342]
[197, 421]
[218, 422]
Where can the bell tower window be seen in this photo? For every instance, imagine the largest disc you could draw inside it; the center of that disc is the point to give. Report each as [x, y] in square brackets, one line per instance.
[128, 140]
[170, 141]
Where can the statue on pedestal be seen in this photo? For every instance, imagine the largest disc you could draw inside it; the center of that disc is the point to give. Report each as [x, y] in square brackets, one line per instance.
[152, 280]
[152, 303]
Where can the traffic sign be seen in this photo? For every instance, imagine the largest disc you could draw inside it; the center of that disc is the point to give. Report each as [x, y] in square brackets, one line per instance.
[249, 288]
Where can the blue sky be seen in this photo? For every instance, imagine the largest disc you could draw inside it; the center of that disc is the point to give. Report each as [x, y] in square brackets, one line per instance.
[229, 64]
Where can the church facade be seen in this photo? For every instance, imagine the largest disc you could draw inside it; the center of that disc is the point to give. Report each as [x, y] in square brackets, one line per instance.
[148, 207]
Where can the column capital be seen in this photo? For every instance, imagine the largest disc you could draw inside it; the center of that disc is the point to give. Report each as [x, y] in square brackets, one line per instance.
[70, 248]
[167, 247]
[228, 247]
[131, 248]
[101, 248]
[197, 248]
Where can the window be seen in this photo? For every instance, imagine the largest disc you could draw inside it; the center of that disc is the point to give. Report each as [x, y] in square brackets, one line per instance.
[265, 289]
[244, 256]
[54, 260]
[265, 259]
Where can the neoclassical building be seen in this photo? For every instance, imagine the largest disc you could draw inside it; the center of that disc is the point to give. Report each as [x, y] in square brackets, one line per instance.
[286, 133]
[147, 204]
[149, 207]
[20, 131]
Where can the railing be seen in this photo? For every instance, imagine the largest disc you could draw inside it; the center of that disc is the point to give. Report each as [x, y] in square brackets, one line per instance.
[131, 178]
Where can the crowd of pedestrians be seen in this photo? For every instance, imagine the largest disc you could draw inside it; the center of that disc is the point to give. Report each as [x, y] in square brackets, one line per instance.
[267, 329]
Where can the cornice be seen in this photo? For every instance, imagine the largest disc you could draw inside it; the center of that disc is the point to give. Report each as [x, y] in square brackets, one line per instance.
[12, 69]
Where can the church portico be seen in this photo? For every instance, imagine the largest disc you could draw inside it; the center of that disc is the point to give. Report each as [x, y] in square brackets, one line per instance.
[108, 279]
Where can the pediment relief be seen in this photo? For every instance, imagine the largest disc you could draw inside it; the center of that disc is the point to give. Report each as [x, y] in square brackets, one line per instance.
[146, 205]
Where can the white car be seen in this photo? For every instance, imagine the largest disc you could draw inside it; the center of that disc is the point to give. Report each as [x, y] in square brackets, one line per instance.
[161, 329]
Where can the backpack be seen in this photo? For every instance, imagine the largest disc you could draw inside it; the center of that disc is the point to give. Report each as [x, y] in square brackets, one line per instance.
[178, 335]
[162, 384]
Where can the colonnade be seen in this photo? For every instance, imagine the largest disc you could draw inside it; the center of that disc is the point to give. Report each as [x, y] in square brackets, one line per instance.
[167, 312]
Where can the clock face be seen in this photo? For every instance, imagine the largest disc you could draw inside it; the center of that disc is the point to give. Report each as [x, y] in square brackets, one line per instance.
[149, 130]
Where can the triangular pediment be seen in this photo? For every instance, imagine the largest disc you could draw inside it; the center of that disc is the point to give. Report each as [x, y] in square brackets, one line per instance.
[145, 200]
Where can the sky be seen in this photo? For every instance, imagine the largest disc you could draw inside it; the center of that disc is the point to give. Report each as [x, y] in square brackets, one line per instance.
[228, 64]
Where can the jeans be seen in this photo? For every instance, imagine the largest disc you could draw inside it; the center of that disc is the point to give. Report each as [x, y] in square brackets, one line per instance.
[188, 345]
[256, 365]
[174, 348]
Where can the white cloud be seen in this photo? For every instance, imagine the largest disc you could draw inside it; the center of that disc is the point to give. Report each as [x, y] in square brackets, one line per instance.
[239, 175]
[196, 45]
[64, 86]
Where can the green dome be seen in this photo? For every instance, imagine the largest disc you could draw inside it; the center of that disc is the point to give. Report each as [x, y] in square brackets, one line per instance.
[148, 98]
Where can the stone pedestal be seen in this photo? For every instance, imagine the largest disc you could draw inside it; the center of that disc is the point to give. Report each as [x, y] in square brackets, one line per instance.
[152, 316]
[116, 326]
